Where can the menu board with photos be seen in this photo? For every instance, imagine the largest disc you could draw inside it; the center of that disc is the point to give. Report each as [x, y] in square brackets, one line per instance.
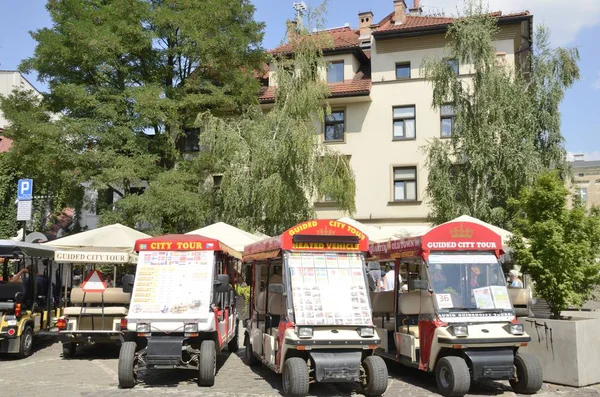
[329, 289]
[172, 285]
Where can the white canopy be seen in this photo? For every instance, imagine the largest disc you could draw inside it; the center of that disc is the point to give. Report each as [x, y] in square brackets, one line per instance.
[229, 235]
[107, 244]
[374, 234]
[504, 234]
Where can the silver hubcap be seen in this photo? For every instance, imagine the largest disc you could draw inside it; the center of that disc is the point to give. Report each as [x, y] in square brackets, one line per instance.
[445, 377]
[28, 341]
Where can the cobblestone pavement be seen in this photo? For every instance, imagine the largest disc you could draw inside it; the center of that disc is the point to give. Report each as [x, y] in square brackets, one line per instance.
[93, 372]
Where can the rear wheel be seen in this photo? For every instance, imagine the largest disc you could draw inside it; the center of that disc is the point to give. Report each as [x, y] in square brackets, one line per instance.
[452, 376]
[69, 349]
[250, 358]
[377, 376]
[26, 345]
[295, 377]
[126, 371]
[207, 363]
[528, 376]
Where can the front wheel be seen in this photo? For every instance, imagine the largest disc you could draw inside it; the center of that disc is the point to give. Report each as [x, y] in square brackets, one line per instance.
[126, 370]
[69, 349]
[26, 345]
[452, 376]
[207, 363]
[295, 377]
[528, 376]
[376, 376]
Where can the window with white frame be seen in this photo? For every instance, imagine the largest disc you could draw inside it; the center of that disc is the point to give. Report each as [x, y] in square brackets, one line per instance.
[453, 63]
[446, 121]
[405, 183]
[583, 194]
[335, 72]
[404, 122]
[335, 126]
[403, 70]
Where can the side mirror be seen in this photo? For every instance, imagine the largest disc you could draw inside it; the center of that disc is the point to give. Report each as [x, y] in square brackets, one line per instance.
[420, 285]
[127, 281]
[222, 283]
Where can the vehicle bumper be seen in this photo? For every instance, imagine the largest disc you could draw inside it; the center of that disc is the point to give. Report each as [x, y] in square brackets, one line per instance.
[10, 344]
[492, 364]
[89, 337]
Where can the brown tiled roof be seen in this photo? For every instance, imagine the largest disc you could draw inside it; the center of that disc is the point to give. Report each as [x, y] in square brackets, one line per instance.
[342, 38]
[414, 22]
[5, 143]
[359, 85]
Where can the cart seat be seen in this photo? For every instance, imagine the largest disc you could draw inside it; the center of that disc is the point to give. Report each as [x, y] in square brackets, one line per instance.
[383, 302]
[276, 304]
[111, 296]
[410, 303]
[95, 311]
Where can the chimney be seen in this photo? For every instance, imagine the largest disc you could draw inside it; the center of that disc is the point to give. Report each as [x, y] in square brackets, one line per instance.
[365, 20]
[579, 157]
[292, 28]
[399, 11]
[416, 9]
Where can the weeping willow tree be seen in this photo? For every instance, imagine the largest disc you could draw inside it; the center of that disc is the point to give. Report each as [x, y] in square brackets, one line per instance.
[273, 163]
[507, 124]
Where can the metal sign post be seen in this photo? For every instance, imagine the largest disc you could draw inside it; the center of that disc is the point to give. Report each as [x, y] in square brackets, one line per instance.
[24, 202]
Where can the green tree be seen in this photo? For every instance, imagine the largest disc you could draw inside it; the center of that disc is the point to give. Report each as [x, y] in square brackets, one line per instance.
[129, 78]
[558, 247]
[273, 165]
[507, 123]
[8, 194]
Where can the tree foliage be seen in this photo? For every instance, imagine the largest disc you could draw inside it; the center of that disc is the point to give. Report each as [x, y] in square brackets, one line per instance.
[507, 123]
[561, 245]
[273, 164]
[128, 78]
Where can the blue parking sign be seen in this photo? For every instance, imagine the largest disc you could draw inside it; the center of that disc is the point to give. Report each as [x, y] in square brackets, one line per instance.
[25, 189]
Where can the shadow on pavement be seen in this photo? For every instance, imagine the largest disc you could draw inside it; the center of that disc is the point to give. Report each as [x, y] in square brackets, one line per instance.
[95, 352]
[39, 343]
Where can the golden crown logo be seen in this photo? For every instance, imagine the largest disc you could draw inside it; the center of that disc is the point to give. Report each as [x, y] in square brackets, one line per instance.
[461, 232]
[325, 232]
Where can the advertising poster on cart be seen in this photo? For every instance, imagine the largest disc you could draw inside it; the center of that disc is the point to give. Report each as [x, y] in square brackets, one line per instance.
[329, 289]
[172, 285]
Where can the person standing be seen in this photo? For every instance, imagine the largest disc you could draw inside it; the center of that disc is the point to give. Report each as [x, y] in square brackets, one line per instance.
[515, 281]
[375, 273]
[389, 278]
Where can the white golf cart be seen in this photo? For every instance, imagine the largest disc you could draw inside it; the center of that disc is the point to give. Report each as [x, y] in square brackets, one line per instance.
[310, 314]
[182, 310]
[456, 318]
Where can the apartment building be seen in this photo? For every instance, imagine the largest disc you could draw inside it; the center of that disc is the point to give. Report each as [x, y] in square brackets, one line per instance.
[382, 115]
[586, 179]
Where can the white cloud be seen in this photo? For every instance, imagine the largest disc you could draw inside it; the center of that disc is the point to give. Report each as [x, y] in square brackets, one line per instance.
[596, 83]
[587, 156]
[564, 18]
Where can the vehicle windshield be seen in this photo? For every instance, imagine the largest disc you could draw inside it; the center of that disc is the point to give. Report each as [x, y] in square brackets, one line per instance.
[468, 282]
[329, 289]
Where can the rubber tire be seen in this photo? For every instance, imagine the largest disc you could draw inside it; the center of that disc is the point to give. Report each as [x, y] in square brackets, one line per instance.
[377, 376]
[234, 344]
[251, 359]
[459, 380]
[207, 363]
[126, 364]
[529, 374]
[69, 349]
[25, 352]
[295, 377]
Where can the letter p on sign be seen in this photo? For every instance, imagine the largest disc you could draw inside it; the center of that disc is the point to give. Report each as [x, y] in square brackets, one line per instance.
[25, 189]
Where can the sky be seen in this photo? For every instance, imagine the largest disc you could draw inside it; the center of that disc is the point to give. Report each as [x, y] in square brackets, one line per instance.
[573, 23]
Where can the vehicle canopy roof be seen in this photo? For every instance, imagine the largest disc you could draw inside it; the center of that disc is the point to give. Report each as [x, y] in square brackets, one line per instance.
[10, 248]
[451, 236]
[183, 242]
[316, 235]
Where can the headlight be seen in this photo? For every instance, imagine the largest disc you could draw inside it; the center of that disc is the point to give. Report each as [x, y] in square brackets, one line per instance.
[517, 329]
[305, 332]
[366, 332]
[142, 328]
[460, 330]
[190, 328]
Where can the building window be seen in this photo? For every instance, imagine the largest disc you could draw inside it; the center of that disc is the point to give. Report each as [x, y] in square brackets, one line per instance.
[335, 72]
[402, 71]
[404, 122]
[217, 179]
[405, 183]
[582, 191]
[189, 142]
[501, 58]
[447, 120]
[334, 126]
[453, 63]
